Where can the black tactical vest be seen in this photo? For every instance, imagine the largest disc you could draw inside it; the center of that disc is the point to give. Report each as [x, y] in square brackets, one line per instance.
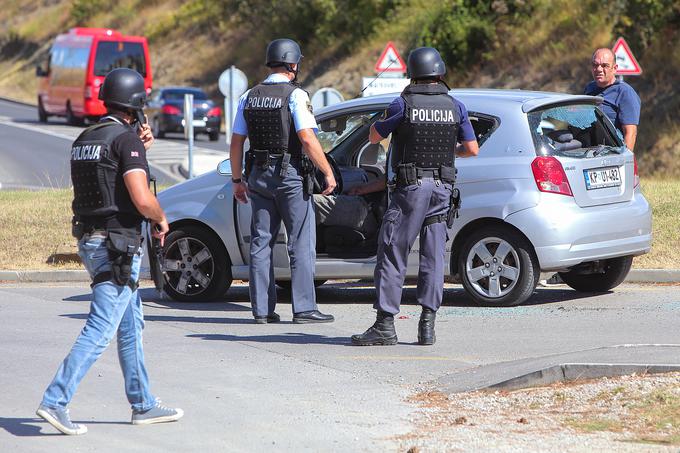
[94, 171]
[269, 120]
[427, 136]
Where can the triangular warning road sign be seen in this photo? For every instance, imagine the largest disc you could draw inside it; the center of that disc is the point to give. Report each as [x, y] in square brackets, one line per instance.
[627, 63]
[390, 60]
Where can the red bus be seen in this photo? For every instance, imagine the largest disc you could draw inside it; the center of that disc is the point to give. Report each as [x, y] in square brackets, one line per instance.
[69, 79]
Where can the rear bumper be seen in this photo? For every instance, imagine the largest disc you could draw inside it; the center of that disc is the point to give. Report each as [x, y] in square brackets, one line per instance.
[564, 234]
[174, 123]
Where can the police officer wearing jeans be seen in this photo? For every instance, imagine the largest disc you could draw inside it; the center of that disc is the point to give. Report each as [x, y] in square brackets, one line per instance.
[426, 122]
[276, 116]
[109, 173]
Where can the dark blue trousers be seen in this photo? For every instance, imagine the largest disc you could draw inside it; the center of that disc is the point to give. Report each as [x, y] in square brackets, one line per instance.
[275, 198]
[403, 221]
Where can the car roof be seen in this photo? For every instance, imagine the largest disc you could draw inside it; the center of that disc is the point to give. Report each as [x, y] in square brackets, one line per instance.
[495, 99]
[181, 88]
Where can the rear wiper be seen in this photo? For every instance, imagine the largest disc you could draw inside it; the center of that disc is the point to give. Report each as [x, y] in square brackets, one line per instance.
[600, 150]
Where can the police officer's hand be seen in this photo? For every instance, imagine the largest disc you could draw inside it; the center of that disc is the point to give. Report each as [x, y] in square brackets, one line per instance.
[330, 184]
[159, 230]
[146, 136]
[240, 192]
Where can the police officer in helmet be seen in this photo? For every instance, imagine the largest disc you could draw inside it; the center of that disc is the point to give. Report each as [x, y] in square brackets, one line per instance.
[426, 123]
[110, 177]
[276, 116]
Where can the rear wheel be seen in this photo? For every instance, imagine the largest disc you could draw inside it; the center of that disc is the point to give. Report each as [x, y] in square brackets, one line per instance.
[71, 117]
[42, 114]
[214, 136]
[614, 273]
[156, 129]
[196, 264]
[497, 267]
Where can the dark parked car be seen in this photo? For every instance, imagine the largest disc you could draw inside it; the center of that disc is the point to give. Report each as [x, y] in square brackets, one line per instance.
[166, 112]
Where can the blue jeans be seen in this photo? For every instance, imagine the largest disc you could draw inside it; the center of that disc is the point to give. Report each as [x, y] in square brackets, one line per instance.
[114, 309]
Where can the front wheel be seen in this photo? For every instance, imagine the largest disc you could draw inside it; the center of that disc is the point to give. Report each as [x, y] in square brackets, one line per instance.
[196, 264]
[497, 267]
[614, 273]
[42, 113]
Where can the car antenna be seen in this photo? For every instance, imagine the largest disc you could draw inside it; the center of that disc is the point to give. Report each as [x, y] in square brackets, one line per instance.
[374, 79]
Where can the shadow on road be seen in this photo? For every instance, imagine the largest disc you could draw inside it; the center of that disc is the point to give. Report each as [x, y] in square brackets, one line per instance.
[290, 338]
[32, 427]
[346, 293]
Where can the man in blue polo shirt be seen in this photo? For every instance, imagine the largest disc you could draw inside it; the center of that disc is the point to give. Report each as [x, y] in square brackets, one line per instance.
[621, 103]
[426, 123]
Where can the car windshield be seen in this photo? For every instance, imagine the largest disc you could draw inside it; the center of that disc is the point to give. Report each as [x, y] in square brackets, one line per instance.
[576, 130]
[119, 54]
[178, 95]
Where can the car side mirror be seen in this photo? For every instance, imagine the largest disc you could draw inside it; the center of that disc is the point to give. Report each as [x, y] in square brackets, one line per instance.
[336, 125]
[224, 168]
[40, 72]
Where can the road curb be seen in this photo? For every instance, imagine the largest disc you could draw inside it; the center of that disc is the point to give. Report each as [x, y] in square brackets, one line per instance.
[53, 276]
[14, 101]
[569, 372]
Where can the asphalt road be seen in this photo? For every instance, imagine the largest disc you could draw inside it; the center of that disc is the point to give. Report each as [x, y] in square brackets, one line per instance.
[287, 387]
[35, 155]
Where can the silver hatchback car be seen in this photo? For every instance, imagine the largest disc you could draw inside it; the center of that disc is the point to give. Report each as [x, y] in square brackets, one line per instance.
[553, 189]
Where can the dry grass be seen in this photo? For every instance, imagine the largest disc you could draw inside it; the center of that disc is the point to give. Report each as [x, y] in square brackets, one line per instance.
[34, 226]
[662, 194]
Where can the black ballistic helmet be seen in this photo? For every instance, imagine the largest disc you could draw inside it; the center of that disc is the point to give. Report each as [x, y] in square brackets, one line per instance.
[123, 89]
[425, 62]
[284, 51]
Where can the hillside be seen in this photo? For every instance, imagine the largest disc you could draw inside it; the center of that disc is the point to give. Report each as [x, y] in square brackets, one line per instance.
[542, 44]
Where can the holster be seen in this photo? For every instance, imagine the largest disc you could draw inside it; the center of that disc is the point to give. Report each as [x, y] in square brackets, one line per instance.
[122, 246]
[454, 206]
[308, 176]
[285, 162]
[77, 228]
[248, 165]
[260, 158]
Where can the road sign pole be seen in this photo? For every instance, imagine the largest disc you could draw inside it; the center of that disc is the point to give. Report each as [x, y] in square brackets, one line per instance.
[189, 129]
[231, 100]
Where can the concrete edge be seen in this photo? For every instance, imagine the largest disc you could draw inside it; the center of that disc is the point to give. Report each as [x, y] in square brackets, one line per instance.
[640, 276]
[569, 372]
[54, 276]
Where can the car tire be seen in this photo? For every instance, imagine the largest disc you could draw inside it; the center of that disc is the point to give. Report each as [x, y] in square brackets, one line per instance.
[214, 136]
[71, 117]
[615, 272]
[492, 248]
[156, 129]
[287, 284]
[42, 113]
[196, 264]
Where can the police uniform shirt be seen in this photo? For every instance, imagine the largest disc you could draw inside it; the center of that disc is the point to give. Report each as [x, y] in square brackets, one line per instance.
[395, 114]
[128, 150]
[298, 103]
[620, 102]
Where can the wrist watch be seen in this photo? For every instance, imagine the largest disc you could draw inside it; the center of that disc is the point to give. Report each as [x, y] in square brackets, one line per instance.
[236, 180]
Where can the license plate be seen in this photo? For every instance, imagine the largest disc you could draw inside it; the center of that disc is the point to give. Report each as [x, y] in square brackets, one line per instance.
[199, 123]
[599, 178]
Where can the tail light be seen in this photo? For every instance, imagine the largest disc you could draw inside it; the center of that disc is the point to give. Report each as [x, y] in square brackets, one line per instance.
[550, 176]
[215, 111]
[636, 175]
[171, 110]
[88, 92]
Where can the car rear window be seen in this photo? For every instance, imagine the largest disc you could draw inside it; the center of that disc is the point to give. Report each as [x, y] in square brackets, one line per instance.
[571, 130]
[119, 54]
[178, 95]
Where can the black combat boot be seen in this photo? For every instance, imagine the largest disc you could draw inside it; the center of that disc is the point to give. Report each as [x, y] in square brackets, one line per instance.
[426, 327]
[381, 333]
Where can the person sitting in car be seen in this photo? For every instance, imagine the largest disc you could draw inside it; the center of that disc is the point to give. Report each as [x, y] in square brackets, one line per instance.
[350, 209]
